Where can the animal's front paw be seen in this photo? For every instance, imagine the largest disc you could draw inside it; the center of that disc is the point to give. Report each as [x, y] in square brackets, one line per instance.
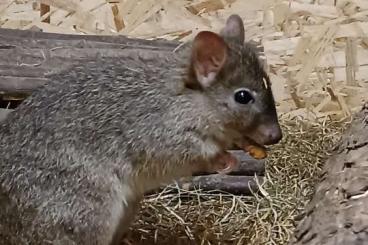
[225, 163]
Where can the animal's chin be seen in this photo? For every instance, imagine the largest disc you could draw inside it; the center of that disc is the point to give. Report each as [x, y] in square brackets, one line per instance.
[252, 147]
[239, 145]
[250, 141]
[238, 139]
[244, 142]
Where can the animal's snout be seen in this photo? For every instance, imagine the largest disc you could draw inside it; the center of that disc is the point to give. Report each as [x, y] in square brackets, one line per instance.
[272, 133]
[268, 134]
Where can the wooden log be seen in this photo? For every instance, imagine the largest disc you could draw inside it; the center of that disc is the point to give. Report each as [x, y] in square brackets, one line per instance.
[337, 213]
[28, 55]
[21, 71]
[35, 37]
[3, 114]
[248, 166]
[214, 183]
[10, 84]
[241, 181]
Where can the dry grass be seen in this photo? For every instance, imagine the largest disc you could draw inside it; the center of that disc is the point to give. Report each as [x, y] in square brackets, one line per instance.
[204, 218]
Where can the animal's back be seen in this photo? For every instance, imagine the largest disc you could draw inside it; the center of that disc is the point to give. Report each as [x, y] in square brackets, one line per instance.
[59, 136]
[79, 103]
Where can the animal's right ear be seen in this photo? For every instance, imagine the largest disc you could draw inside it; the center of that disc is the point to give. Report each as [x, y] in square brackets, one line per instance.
[234, 29]
[209, 53]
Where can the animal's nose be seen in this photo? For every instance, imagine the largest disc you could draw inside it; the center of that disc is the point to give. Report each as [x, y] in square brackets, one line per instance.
[273, 134]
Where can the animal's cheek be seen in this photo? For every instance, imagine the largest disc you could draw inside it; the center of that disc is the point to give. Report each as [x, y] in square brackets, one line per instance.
[248, 117]
[236, 113]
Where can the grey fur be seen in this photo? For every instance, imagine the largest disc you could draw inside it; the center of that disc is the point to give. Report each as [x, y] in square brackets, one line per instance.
[77, 155]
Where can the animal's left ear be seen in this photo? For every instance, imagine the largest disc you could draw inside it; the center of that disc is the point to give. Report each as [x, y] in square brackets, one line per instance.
[209, 53]
[234, 29]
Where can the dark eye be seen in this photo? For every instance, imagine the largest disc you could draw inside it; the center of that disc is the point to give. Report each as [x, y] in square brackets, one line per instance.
[243, 97]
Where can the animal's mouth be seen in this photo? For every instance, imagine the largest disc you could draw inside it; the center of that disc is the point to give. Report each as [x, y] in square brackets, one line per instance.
[253, 142]
[255, 149]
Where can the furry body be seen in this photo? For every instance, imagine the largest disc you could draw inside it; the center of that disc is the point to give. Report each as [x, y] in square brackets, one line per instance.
[77, 156]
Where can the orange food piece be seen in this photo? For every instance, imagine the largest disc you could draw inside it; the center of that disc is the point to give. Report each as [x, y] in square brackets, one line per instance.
[256, 152]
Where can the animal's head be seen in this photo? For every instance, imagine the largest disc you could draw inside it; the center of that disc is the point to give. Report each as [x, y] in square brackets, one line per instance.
[229, 73]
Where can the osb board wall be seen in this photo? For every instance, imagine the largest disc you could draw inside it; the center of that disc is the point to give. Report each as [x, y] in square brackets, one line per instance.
[316, 51]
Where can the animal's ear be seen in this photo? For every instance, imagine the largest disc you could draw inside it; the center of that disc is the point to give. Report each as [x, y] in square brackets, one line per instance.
[209, 53]
[234, 29]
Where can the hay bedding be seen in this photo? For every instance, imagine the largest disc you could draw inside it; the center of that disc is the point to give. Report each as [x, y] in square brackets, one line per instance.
[317, 57]
[265, 218]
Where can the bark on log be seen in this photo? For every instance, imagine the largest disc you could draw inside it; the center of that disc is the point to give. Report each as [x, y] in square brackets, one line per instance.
[337, 214]
[237, 185]
[248, 166]
[216, 183]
